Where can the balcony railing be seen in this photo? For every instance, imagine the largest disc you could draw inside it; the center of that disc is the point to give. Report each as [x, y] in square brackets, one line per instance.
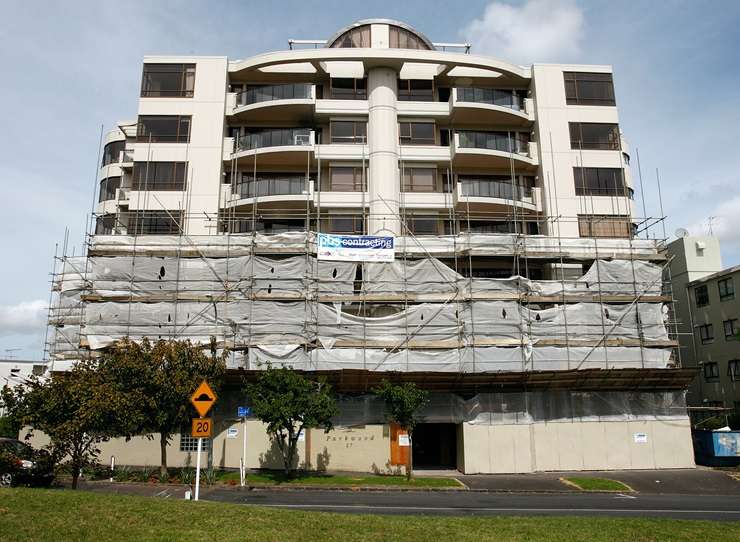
[487, 188]
[503, 98]
[275, 138]
[296, 91]
[517, 142]
[288, 185]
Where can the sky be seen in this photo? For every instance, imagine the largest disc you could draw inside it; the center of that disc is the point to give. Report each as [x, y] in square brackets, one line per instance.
[70, 67]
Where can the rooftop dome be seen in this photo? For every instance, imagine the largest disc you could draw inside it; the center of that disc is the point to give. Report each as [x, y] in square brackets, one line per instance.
[400, 36]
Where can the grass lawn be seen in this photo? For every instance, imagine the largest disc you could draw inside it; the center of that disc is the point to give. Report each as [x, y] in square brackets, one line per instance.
[276, 478]
[54, 515]
[597, 484]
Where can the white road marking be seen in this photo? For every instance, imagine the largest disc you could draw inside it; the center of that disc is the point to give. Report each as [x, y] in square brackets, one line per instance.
[463, 509]
[623, 496]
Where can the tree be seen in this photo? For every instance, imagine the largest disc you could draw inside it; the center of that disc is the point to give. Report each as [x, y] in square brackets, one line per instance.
[158, 379]
[402, 404]
[76, 410]
[288, 402]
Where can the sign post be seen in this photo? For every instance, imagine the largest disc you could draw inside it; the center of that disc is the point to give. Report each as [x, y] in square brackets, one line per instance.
[243, 412]
[202, 399]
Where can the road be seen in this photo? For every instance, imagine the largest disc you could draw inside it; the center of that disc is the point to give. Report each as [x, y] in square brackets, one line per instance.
[463, 503]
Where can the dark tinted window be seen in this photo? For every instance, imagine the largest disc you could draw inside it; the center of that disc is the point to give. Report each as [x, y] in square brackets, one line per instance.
[168, 80]
[400, 38]
[415, 90]
[155, 222]
[108, 188]
[701, 294]
[589, 88]
[348, 131]
[599, 181]
[416, 133]
[605, 226]
[594, 136]
[163, 129]
[349, 89]
[104, 225]
[159, 175]
[355, 37]
[112, 152]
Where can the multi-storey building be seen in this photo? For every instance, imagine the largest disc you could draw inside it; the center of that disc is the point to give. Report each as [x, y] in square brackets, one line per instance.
[709, 315]
[519, 292]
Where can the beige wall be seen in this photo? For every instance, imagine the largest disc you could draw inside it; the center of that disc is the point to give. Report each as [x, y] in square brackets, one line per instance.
[577, 446]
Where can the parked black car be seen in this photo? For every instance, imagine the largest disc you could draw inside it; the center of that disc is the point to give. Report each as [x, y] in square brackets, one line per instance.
[20, 464]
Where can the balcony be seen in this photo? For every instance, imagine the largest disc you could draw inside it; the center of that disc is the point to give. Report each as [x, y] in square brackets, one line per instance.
[287, 190]
[289, 102]
[276, 147]
[482, 193]
[494, 150]
[491, 106]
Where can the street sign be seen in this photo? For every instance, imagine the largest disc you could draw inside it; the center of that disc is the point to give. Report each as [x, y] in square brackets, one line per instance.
[243, 411]
[203, 398]
[201, 428]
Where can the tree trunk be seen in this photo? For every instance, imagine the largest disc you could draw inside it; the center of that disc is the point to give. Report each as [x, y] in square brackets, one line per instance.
[75, 472]
[163, 455]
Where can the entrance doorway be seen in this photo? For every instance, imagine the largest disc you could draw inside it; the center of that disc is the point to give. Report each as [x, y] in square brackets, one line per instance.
[435, 446]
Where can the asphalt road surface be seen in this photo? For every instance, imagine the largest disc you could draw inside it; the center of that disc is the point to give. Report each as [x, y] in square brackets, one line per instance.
[462, 503]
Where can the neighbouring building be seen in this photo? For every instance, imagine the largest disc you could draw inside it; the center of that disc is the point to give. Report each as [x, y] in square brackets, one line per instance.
[709, 318]
[519, 294]
[15, 371]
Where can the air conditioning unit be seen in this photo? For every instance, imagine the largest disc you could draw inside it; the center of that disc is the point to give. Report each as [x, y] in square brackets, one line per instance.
[302, 139]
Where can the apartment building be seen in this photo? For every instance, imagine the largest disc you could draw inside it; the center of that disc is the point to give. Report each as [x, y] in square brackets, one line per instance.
[518, 291]
[709, 314]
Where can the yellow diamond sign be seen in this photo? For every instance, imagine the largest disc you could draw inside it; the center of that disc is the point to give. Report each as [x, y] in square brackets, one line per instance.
[203, 398]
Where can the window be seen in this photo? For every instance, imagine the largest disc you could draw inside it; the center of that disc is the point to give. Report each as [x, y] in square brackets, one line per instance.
[348, 131]
[496, 186]
[159, 175]
[400, 38]
[419, 179]
[733, 371]
[427, 225]
[345, 179]
[594, 136]
[190, 444]
[350, 224]
[112, 152]
[701, 295]
[274, 137]
[731, 329]
[506, 98]
[355, 37]
[416, 90]
[270, 184]
[497, 226]
[349, 89]
[108, 188]
[599, 181]
[416, 133]
[267, 93]
[726, 289]
[163, 129]
[706, 333]
[497, 141]
[589, 88]
[168, 81]
[619, 227]
[711, 371]
[155, 222]
[104, 225]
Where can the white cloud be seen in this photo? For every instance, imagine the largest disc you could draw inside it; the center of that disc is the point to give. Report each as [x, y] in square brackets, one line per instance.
[536, 31]
[24, 318]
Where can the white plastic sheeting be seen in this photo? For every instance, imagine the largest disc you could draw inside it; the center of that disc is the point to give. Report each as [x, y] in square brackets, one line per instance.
[492, 244]
[464, 360]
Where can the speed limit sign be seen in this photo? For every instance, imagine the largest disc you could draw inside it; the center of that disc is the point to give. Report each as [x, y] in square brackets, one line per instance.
[201, 428]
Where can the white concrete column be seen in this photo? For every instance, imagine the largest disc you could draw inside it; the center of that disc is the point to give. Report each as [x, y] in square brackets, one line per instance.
[382, 133]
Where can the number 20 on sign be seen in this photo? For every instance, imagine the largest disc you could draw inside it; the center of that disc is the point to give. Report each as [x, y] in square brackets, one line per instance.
[201, 428]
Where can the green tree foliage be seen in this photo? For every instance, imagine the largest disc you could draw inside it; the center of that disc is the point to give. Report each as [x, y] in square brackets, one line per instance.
[402, 405]
[288, 402]
[8, 427]
[158, 379]
[76, 410]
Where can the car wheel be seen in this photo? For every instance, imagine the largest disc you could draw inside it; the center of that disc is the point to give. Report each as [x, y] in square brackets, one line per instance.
[6, 479]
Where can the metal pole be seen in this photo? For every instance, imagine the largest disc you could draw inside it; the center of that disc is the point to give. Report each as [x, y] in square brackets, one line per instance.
[197, 469]
[244, 453]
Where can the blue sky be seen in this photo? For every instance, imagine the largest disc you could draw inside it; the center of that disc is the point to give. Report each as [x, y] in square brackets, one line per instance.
[676, 64]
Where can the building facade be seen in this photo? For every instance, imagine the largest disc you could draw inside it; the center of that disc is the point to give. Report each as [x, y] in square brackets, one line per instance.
[520, 293]
[709, 313]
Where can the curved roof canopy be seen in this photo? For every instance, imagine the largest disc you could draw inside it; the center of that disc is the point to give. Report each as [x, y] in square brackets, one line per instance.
[401, 35]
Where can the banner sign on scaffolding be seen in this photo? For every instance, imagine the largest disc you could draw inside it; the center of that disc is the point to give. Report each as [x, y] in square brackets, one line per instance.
[356, 248]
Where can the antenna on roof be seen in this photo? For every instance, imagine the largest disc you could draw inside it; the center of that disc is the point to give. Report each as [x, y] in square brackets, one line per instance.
[710, 223]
